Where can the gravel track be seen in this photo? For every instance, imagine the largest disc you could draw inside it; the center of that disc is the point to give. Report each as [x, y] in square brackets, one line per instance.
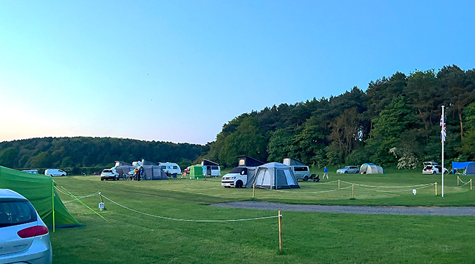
[393, 210]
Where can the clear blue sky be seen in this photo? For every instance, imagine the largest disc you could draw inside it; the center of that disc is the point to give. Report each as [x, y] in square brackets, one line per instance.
[178, 70]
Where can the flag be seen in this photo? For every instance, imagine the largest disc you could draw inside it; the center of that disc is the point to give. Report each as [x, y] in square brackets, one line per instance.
[443, 129]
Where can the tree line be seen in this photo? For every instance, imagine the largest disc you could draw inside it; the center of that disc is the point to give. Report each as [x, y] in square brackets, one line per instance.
[77, 152]
[394, 122]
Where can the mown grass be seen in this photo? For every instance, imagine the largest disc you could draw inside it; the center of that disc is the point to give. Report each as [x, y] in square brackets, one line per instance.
[128, 237]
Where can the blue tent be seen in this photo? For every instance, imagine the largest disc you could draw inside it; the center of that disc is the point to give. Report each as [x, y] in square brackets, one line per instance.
[468, 166]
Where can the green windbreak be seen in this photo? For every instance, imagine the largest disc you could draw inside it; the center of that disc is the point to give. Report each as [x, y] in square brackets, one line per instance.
[38, 189]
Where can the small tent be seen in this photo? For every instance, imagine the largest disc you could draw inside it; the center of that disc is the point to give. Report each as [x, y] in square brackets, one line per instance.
[273, 175]
[196, 172]
[39, 190]
[370, 168]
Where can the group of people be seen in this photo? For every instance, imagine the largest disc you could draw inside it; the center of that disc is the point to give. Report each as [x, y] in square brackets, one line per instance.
[138, 174]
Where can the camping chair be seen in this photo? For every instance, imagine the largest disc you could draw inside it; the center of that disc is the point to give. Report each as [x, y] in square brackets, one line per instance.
[316, 179]
[312, 176]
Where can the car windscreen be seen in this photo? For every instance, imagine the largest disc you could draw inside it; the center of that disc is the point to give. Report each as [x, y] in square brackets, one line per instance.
[300, 168]
[16, 212]
[239, 170]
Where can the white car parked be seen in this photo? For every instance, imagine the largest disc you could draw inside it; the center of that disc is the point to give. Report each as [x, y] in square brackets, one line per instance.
[349, 169]
[431, 167]
[24, 237]
[109, 174]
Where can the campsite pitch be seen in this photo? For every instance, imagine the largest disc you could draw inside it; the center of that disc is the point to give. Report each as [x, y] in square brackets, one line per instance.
[131, 237]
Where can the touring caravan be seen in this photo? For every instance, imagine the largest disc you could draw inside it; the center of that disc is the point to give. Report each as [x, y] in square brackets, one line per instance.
[170, 168]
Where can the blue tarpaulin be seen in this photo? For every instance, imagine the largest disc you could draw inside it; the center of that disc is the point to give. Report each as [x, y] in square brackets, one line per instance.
[460, 165]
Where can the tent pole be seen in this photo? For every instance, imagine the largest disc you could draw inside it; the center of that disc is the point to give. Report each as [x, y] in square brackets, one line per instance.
[52, 201]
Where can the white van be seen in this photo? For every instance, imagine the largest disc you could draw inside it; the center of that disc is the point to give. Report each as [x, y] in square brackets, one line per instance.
[301, 171]
[211, 171]
[55, 172]
[170, 168]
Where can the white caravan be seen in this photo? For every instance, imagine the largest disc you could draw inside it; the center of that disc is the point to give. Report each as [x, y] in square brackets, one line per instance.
[170, 168]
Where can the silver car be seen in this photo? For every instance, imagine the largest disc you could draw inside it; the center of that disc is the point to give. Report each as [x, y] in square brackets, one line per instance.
[24, 237]
[349, 169]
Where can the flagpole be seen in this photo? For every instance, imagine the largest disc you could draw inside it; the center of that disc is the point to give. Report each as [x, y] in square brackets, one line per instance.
[443, 143]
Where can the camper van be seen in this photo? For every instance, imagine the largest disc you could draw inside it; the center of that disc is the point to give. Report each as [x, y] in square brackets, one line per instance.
[301, 171]
[237, 177]
[210, 168]
[55, 172]
[170, 168]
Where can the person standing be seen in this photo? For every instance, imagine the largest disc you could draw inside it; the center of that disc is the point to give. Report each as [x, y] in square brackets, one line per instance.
[325, 173]
[136, 174]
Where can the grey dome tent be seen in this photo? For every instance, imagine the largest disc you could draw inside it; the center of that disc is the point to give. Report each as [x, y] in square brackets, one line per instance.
[370, 168]
[273, 175]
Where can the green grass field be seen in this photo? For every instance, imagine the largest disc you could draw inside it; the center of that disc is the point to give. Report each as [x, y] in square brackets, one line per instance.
[130, 237]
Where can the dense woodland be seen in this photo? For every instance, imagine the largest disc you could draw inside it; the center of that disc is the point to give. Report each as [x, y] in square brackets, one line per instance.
[79, 152]
[394, 122]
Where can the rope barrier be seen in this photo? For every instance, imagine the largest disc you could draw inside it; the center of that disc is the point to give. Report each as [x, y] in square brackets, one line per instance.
[402, 191]
[81, 202]
[78, 197]
[320, 183]
[333, 190]
[371, 186]
[463, 181]
[186, 220]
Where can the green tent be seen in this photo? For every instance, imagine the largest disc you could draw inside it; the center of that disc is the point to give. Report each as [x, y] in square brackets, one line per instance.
[38, 189]
[196, 172]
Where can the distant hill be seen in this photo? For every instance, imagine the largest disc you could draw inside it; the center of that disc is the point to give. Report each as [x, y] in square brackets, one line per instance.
[70, 152]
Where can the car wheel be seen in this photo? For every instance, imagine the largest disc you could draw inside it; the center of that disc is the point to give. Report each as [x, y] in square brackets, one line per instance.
[102, 179]
[305, 178]
[239, 184]
[346, 171]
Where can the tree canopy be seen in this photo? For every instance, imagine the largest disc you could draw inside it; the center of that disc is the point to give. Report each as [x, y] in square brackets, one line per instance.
[394, 122]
